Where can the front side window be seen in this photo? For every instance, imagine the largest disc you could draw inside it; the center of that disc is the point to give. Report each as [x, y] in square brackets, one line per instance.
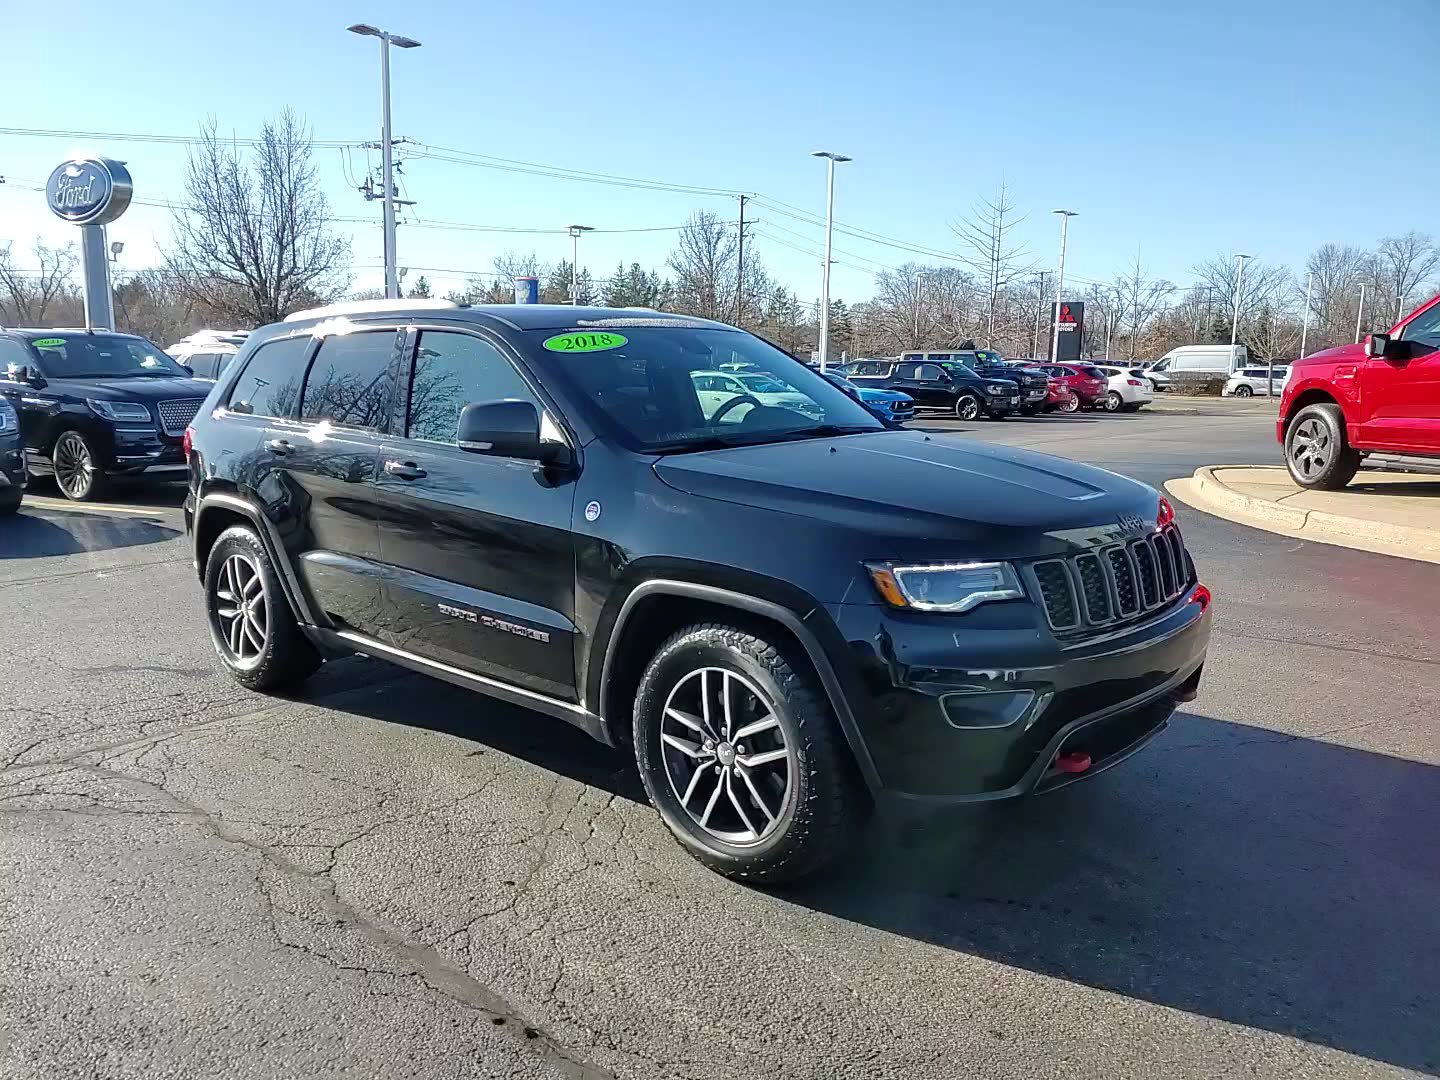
[453, 370]
[643, 388]
[349, 380]
[63, 355]
[1424, 329]
[930, 373]
[960, 371]
[270, 383]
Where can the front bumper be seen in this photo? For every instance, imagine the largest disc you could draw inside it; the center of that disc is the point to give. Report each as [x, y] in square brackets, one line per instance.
[951, 714]
[12, 465]
[1002, 406]
[139, 449]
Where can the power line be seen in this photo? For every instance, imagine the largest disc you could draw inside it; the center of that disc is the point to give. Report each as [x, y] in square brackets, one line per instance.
[487, 161]
[162, 140]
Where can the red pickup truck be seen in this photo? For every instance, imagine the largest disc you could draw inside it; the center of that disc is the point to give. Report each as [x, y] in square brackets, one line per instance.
[1381, 396]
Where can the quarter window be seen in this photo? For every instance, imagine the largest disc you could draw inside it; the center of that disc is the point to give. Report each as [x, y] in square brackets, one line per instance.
[349, 380]
[270, 383]
[452, 371]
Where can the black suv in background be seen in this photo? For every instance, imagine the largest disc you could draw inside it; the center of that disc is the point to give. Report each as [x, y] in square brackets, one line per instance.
[95, 404]
[952, 388]
[987, 363]
[12, 460]
[787, 610]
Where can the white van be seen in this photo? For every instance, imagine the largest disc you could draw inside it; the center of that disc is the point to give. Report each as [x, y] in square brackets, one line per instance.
[1203, 360]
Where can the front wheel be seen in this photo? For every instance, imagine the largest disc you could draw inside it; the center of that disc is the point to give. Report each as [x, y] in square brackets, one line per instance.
[1113, 401]
[1244, 391]
[967, 407]
[1315, 449]
[739, 753]
[251, 625]
[78, 472]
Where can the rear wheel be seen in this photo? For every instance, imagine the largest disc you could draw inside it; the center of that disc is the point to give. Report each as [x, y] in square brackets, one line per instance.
[78, 472]
[1315, 449]
[967, 407]
[1072, 405]
[739, 753]
[1113, 401]
[251, 625]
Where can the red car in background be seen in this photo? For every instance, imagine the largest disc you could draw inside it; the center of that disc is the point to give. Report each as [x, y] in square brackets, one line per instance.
[1381, 396]
[1060, 398]
[1090, 384]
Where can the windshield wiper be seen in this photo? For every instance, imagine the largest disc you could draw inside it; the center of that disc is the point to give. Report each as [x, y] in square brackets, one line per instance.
[826, 431]
[760, 438]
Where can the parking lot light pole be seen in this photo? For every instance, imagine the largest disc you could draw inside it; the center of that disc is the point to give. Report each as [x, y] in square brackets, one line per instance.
[575, 231]
[1360, 313]
[1239, 281]
[1305, 318]
[920, 276]
[1065, 216]
[387, 204]
[833, 159]
[1039, 307]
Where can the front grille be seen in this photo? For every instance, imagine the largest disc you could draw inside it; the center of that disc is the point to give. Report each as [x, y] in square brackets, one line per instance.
[176, 415]
[1115, 583]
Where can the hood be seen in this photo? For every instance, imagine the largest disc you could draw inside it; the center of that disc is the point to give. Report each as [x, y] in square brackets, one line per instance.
[905, 483]
[145, 388]
[1338, 354]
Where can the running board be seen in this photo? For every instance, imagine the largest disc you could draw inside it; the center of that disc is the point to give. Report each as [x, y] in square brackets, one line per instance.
[1401, 463]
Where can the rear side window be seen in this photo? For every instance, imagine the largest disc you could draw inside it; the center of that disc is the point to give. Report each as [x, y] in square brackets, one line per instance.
[270, 383]
[453, 370]
[350, 379]
[202, 363]
[1093, 372]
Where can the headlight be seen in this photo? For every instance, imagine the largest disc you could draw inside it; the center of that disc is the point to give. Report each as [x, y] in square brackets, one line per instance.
[956, 587]
[121, 412]
[9, 421]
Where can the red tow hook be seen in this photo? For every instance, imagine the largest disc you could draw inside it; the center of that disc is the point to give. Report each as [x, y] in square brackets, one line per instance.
[1076, 761]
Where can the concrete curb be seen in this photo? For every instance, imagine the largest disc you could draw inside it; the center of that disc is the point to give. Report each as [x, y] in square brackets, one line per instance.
[1204, 492]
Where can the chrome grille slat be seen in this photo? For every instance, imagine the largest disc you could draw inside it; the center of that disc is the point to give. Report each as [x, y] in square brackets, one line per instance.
[175, 415]
[1114, 584]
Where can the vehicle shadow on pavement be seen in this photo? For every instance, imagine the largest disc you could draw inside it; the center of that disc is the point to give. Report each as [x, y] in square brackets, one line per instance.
[1258, 878]
[27, 535]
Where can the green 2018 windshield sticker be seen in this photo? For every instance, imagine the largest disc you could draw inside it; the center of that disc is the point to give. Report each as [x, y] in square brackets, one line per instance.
[49, 343]
[584, 341]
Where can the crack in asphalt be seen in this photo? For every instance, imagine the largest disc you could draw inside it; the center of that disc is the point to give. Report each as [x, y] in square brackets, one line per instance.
[1374, 654]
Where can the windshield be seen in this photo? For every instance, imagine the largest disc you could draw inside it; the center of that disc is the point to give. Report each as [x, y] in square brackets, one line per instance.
[960, 371]
[102, 356]
[663, 387]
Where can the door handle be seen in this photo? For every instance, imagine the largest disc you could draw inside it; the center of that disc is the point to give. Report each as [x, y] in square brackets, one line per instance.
[278, 447]
[405, 470]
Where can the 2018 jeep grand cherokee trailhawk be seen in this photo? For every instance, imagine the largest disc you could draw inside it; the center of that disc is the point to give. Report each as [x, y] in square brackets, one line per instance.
[1378, 397]
[788, 618]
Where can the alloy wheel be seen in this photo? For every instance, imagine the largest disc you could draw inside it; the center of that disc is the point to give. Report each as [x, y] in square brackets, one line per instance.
[1113, 402]
[242, 615]
[1243, 391]
[967, 408]
[74, 467]
[1311, 448]
[725, 755]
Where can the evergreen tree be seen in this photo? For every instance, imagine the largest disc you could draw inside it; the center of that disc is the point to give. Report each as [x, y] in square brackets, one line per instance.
[421, 290]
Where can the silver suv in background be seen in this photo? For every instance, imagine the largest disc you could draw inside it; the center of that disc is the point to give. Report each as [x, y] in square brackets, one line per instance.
[208, 352]
[1249, 381]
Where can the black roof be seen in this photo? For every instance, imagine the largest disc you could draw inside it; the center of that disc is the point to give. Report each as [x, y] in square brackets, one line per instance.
[524, 316]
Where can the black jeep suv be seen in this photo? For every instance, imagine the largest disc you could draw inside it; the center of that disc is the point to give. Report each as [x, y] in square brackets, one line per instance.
[951, 388]
[787, 610]
[95, 404]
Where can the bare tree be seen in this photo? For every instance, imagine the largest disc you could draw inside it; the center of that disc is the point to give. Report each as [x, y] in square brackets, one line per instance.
[1139, 299]
[254, 241]
[990, 250]
[1263, 286]
[28, 293]
[704, 265]
[1403, 263]
[1338, 271]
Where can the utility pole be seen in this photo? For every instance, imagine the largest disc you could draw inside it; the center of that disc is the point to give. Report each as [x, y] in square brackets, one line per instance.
[833, 159]
[1360, 314]
[1065, 216]
[1239, 284]
[920, 276]
[392, 279]
[1039, 307]
[740, 268]
[1305, 319]
[575, 231]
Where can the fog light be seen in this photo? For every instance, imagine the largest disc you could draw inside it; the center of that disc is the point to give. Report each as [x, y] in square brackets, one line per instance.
[986, 708]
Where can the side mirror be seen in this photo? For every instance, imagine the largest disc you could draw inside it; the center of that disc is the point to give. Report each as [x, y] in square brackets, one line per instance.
[500, 429]
[188, 369]
[1378, 346]
[24, 373]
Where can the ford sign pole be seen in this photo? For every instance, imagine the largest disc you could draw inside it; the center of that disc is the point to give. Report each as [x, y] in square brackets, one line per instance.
[91, 192]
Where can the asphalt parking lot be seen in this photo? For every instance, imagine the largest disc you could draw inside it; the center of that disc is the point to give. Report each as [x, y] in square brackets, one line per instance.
[391, 877]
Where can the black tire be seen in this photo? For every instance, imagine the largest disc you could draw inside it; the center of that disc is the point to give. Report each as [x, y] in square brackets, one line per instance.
[1316, 452]
[823, 801]
[999, 416]
[1244, 391]
[1114, 402]
[79, 474]
[968, 407]
[284, 657]
[9, 503]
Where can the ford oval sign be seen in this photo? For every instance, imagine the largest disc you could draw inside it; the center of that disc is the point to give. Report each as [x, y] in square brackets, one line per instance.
[88, 191]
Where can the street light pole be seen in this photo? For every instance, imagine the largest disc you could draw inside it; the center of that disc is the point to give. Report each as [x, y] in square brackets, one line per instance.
[387, 202]
[1305, 319]
[1039, 307]
[575, 231]
[833, 159]
[1065, 216]
[1235, 321]
[1360, 314]
[920, 276]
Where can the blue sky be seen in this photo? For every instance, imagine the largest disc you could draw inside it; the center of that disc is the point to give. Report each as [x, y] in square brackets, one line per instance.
[1268, 126]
